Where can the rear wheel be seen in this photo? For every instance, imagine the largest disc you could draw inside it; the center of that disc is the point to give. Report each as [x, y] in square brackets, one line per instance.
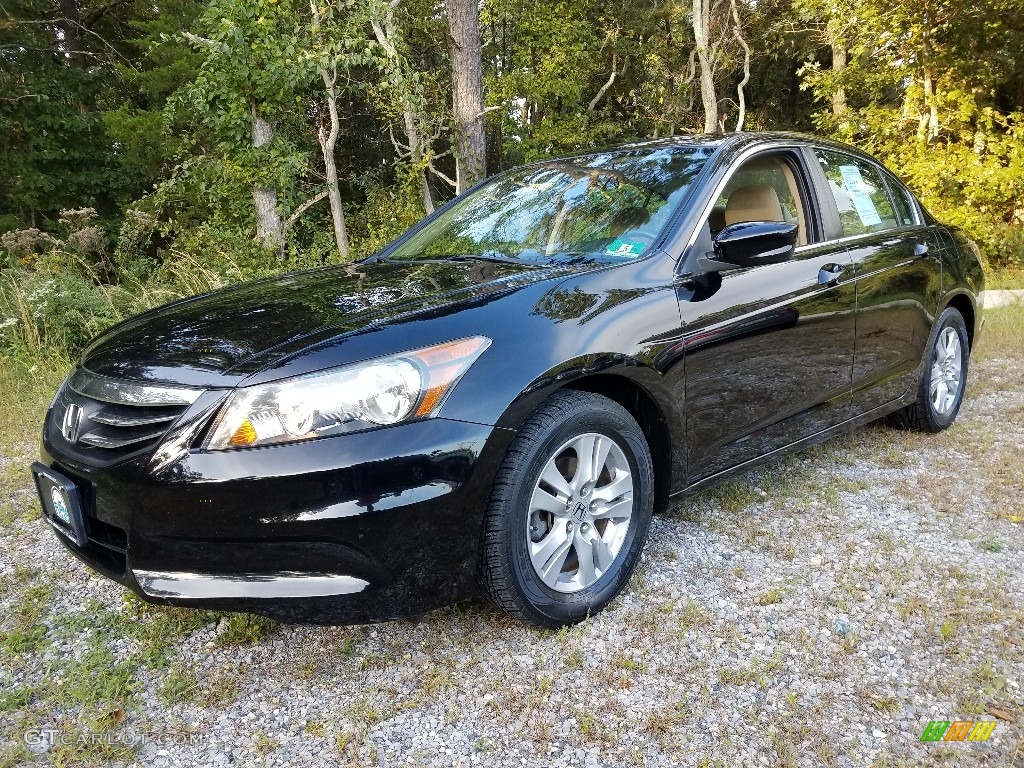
[569, 512]
[941, 390]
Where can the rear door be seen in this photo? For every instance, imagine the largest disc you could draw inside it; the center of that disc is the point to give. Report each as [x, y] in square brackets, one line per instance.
[768, 350]
[897, 276]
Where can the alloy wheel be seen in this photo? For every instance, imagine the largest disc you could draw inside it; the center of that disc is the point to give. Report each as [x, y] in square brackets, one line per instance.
[947, 371]
[580, 512]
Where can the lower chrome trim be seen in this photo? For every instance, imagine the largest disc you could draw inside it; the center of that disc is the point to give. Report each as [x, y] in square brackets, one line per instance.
[286, 584]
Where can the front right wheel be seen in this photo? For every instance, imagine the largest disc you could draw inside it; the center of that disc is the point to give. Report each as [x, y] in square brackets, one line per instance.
[944, 378]
[569, 511]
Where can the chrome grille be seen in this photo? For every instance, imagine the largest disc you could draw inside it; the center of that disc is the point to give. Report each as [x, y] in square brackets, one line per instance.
[102, 419]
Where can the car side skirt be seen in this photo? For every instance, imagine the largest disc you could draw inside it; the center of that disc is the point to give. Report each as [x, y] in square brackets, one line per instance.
[806, 442]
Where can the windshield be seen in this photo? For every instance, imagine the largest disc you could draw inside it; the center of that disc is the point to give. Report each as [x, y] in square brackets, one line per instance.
[609, 206]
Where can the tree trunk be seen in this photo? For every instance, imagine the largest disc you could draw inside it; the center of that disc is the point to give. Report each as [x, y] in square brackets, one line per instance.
[467, 91]
[328, 141]
[928, 125]
[740, 93]
[412, 135]
[702, 38]
[268, 222]
[838, 68]
[933, 107]
[608, 84]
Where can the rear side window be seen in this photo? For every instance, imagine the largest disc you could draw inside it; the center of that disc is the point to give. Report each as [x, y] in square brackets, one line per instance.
[859, 192]
[903, 203]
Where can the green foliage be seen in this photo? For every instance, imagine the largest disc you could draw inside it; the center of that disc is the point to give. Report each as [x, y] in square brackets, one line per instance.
[128, 166]
[52, 310]
[386, 214]
[76, 79]
[930, 90]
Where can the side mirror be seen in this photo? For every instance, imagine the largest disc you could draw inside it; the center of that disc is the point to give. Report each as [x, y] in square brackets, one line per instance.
[753, 243]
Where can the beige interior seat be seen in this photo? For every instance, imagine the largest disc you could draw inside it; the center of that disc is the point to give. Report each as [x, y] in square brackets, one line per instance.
[757, 202]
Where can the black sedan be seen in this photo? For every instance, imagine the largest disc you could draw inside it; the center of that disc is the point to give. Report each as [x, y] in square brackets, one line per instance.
[497, 402]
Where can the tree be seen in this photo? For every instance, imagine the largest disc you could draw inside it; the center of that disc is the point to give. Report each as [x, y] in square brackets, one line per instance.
[269, 228]
[248, 80]
[229, 124]
[715, 27]
[924, 87]
[467, 91]
[334, 48]
[59, 64]
[408, 86]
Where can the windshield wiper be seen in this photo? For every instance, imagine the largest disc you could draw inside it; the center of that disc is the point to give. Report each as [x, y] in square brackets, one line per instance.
[496, 259]
[455, 257]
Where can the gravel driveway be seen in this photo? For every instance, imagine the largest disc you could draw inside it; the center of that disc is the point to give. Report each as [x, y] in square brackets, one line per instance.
[819, 611]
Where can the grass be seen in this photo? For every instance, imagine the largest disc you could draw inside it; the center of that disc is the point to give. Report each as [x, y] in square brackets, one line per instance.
[1005, 279]
[245, 629]
[693, 616]
[884, 703]
[983, 683]
[948, 630]
[26, 389]
[180, 685]
[97, 680]
[16, 698]
[992, 544]
[26, 631]
[734, 495]
[1002, 334]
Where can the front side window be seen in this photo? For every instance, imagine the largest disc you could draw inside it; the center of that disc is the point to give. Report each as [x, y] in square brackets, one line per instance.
[607, 207]
[762, 189]
[859, 192]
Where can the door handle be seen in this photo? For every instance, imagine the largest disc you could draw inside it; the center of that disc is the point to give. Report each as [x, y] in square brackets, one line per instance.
[920, 249]
[829, 274]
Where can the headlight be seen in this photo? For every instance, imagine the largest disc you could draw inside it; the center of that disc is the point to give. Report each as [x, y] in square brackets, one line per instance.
[387, 390]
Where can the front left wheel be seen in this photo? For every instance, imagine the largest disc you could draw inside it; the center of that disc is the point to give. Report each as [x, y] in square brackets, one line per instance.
[569, 511]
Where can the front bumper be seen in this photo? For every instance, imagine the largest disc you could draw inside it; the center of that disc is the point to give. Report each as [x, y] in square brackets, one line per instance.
[361, 527]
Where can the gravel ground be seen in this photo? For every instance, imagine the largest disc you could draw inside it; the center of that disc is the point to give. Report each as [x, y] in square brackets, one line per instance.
[818, 611]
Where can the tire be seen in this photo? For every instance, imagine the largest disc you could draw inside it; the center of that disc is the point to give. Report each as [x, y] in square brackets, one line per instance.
[585, 537]
[946, 360]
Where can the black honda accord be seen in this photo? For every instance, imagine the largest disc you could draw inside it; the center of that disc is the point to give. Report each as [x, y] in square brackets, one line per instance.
[498, 401]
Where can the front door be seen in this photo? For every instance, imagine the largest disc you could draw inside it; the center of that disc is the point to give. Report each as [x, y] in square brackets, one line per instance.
[768, 350]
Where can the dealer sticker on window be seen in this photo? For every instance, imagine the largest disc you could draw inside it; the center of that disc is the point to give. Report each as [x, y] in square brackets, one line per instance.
[628, 248]
[860, 194]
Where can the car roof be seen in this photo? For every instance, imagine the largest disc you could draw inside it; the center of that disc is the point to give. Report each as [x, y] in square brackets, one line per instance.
[723, 144]
[730, 142]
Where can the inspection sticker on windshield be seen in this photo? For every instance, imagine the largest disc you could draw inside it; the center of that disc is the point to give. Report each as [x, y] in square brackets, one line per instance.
[627, 248]
[859, 193]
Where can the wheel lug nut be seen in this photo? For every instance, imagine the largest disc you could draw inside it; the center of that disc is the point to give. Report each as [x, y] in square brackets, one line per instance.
[585, 491]
[584, 528]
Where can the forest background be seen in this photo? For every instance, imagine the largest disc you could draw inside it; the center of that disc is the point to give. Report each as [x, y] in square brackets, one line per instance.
[151, 149]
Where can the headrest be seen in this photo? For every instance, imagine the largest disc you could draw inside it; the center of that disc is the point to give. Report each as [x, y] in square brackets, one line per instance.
[758, 202]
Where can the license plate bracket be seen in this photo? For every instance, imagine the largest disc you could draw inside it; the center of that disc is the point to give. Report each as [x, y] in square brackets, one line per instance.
[62, 503]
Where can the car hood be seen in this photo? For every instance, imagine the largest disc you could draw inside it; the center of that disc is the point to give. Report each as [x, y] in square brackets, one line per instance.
[218, 338]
